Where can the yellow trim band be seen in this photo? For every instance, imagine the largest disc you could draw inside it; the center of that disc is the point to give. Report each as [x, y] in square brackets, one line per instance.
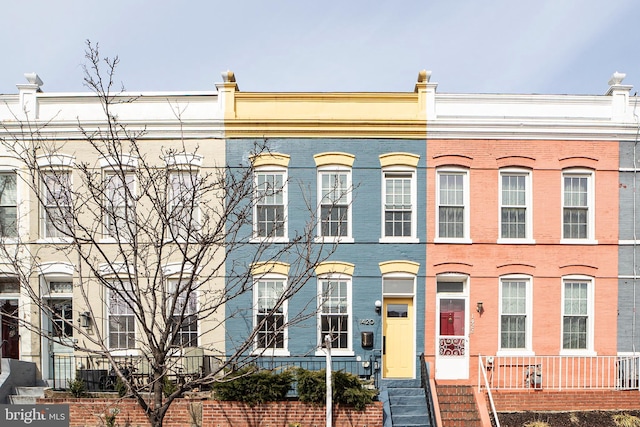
[334, 158]
[409, 267]
[399, 159]
[270, 159]
[329, 267]
[266, 267]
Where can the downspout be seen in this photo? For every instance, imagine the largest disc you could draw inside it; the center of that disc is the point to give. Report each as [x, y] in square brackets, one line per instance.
[635, 275]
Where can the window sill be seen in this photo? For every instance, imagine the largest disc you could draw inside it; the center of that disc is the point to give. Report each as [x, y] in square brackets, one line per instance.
[578, 242]
[335, 352]
[516, 241]
[399, 240]
[53, 240]
[515, 353]
[462, 241]
[270, 240]
[577, 352]
[342, 239]
[125, 352]
[281, 352]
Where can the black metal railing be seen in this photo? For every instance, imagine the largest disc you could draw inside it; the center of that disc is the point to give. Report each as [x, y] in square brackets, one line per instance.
[426, 385]
[99, 375]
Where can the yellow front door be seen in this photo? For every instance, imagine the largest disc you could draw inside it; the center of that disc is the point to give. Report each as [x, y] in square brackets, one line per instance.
[398, 355]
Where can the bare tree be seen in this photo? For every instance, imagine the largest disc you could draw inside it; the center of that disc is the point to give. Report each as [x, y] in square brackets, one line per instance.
[149, 230]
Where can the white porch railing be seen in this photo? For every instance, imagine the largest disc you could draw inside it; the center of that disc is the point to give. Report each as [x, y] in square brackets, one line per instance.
[562, 372]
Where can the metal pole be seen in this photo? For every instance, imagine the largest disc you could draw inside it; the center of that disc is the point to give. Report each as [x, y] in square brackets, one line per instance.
[327, 342]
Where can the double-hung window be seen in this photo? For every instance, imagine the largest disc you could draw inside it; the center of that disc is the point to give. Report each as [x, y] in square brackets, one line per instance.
[271, 198]
[515, 206]
[515, 314]
[56, 189]
[121, 319]
[577, 206]
[335, 311]
[184, 197]
[335, 203]
[270, 314]
[8, 205]
[399, 198]
[577, 314]
[184, 317]
[453, 205]
[120, 218]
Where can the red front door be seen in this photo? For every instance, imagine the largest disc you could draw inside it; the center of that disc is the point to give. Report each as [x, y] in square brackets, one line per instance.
[10, 337]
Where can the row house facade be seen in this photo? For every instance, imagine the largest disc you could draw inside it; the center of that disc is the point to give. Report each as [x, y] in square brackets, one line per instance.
[54, 304]
[462, 227]
[351, 168]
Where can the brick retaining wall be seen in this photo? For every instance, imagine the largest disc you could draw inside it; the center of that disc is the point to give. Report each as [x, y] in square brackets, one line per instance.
[90, 412]
[567, 400]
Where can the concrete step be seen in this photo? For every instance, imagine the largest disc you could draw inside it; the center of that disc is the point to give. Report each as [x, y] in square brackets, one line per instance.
[406, 392]
[401, 383]
[410, 421]
[407, 400]
[21, 400]
[29, 391]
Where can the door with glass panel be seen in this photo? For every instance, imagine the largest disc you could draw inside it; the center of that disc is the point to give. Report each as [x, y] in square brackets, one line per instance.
[452, 352]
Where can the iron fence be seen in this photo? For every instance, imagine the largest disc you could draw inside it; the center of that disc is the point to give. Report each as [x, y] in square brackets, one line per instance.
[562, 372]
[99, 375]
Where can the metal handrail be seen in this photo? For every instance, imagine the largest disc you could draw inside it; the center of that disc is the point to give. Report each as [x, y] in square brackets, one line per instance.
[482, 370]
[425, 382]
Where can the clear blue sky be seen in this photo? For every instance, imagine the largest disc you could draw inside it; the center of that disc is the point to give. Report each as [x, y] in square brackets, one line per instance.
[471, 46]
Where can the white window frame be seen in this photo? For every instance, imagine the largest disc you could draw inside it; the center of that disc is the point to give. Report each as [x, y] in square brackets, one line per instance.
[129, 313]
[389, 173]
[590, 324]
[348, 280]
[10, 204]
[271, 351]
[590, 206]
[333, 170]
[465, 205]
[173, 285]
[109, 175]
[527, 350]
[57, 174]
[174, 201]
[270, 170]
[528, 206]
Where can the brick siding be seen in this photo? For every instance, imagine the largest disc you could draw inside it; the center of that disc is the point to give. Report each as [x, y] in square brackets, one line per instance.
[210, 413]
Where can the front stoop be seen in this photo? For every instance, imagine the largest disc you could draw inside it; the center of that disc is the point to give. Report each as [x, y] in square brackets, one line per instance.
[458, 406]
[408, 404]
[25, 395]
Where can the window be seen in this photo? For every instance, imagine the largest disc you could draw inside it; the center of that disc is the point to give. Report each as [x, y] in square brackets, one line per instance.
[577, 205]
[270, 313]
[452, 202]
[334, 311]
[515, 314]
[399, 205]
[61, 318]
[8, 205]
[121, 320]
[184, 317]
[515, 210]
[120, 205]
[577, 330]
[270, 215]
[184, 216]
[57, 203]
[335, 198]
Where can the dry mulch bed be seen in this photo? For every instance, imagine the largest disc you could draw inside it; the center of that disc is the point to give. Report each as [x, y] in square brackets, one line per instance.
[563, 419]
